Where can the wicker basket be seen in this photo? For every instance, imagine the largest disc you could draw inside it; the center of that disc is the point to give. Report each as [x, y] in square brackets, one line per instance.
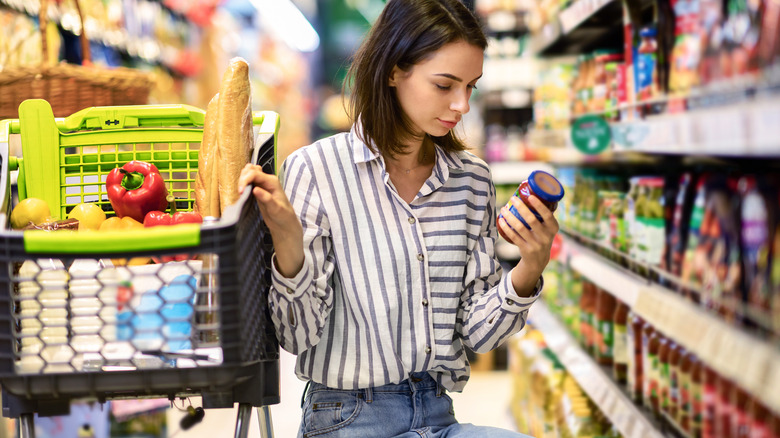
[68, 87]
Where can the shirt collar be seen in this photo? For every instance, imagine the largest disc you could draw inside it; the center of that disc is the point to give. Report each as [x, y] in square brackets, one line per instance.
[361, 153]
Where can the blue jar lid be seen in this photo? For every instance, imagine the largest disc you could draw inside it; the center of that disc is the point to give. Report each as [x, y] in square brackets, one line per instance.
[545, 186]
[648, 32]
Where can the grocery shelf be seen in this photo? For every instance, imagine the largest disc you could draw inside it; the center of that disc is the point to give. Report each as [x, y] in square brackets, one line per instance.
[625, 415]
[749, 361]
[745, 129]
[579, 28]
[148, 48]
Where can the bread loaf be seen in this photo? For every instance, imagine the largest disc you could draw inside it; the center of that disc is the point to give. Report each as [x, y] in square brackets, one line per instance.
[207, 185]
[234, 130]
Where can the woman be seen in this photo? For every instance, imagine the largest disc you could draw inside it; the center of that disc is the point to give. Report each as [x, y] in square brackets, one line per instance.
[385, 269]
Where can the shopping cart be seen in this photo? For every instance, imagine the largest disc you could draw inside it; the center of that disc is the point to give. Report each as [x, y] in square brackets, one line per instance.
[81, 318]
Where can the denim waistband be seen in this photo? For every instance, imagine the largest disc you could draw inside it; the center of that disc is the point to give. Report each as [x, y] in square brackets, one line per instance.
[416, 382]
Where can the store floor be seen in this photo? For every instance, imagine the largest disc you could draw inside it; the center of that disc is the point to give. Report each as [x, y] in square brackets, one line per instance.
[485, 401]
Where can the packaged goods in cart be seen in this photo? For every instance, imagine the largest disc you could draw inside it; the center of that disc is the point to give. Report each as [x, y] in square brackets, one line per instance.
[544, 187]
[42, 313]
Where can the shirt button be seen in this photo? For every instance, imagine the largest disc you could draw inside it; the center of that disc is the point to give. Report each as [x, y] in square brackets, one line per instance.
[290, 290]
[425, 302]
[510, 302]
[412, 220]
[420, 257]
[427, 350]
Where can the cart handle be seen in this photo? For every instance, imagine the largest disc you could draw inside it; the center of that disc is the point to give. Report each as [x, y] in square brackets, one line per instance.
[136, 116]
[113, 242]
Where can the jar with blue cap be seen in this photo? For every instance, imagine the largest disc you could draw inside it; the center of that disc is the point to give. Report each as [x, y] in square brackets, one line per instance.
[541, 184]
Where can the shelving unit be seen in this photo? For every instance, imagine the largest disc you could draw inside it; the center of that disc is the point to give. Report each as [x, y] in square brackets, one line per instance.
[749, 361]
[627, 417]
[148, 49]
[579, 28]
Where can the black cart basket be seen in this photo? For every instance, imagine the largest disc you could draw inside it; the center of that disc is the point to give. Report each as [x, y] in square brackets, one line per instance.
[131, 313]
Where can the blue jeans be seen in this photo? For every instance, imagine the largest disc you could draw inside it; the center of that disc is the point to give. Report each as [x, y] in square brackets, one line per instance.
[414, 408]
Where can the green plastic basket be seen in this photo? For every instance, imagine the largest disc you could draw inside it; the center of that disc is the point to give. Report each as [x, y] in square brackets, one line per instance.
[65, 161]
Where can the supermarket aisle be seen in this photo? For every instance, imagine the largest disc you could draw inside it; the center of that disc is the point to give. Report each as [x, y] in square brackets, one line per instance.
[485, 401]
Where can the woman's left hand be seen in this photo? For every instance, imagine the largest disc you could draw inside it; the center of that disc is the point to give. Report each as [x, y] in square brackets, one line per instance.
[533, 241]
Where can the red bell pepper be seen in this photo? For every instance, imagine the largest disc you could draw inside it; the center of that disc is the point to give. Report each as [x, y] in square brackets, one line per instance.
[155, 218]
[136, 189]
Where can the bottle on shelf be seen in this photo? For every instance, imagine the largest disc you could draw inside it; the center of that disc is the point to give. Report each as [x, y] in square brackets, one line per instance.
[620, 352]
[652, 368]
[697, 397]
[676, 355]
[709, 409]
[587, 316]
[635, 376]
[605, 311]
[665, 346]
[685, 404]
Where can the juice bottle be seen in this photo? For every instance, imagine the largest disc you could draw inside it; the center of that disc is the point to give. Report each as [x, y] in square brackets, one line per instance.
[634, 367]
[740, 414]
[724, 408]
[710, 402]
[620, 352]
[676, 353]
[653, 378]
[605, 310]
[697, 397]
[664, 377]
[587, 316]
[760, 420]
[684, 406]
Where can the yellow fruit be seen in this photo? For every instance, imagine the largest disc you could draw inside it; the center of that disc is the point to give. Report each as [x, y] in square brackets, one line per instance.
[90, 216]
[33, 210]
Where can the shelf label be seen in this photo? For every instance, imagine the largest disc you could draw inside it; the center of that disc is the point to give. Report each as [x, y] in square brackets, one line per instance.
[591, 134]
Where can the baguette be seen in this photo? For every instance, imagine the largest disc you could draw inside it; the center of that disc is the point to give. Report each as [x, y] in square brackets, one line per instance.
[206, 185]
[234, 130]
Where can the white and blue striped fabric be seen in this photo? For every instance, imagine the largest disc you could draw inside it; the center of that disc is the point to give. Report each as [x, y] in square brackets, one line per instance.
[390, 288]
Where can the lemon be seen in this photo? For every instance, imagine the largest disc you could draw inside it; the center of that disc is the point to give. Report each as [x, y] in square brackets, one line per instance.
[29, 210]
[90, 216]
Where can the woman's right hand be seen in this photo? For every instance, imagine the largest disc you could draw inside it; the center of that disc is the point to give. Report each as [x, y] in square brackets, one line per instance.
[279, 216]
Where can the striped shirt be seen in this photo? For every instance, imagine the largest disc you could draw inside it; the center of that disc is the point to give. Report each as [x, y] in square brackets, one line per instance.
[389, 288]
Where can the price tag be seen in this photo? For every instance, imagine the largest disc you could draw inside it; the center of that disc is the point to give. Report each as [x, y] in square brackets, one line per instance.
[764, 128]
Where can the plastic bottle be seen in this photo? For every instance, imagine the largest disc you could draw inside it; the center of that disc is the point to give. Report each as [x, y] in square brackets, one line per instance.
[620, 352]
[676, 354]
[605, 311]
[710, 402]
[697, 397]
[653, 374]
[587, 316]
[684, 406]
[664, 384]
[635, 375]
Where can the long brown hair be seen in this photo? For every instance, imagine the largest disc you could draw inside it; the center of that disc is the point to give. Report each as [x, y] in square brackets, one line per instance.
[406, 32]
